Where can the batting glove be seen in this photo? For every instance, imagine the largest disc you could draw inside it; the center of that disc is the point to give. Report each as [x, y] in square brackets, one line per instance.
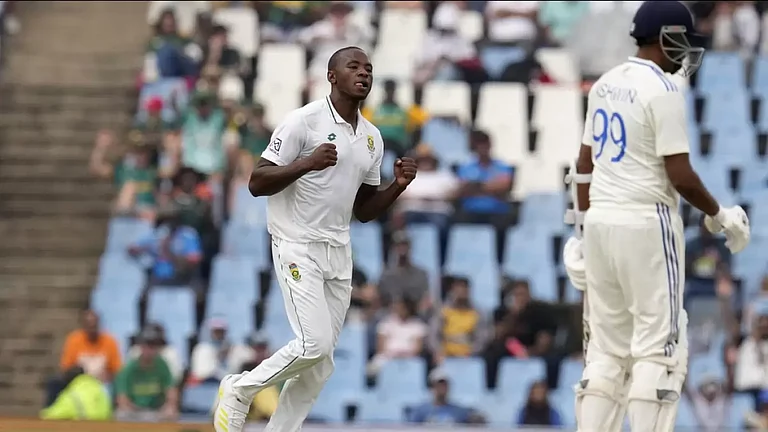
[732, 222]
[573, 259]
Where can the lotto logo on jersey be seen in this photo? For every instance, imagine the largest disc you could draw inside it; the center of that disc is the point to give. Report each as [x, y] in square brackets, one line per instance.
[275, 145]
[294, 269]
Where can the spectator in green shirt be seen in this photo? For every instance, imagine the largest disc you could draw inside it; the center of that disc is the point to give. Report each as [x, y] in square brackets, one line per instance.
[137, 176]
[397, 124]
[144, 387]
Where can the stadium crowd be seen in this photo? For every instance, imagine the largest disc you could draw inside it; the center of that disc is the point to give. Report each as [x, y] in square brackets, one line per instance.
[204, 117]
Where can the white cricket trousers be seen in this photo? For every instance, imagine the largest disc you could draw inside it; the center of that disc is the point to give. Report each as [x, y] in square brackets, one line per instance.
[316, 282]
[635, 266]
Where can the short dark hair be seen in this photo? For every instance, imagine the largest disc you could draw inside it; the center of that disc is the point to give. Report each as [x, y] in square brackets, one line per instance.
[336, 57]
[219, 29]
[642, 42]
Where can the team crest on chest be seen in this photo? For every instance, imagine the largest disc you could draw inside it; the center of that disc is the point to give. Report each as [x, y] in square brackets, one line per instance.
[371, 145]
[294, 269]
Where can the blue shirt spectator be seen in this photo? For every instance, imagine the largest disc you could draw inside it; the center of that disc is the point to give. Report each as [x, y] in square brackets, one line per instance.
[439, 410]
[175, 250]
[486, 182]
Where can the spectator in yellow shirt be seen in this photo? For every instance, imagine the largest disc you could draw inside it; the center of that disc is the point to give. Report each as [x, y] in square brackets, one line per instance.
[397, 125]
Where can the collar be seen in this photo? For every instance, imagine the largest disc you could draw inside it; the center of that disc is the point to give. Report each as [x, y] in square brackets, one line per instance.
[337, 118]
[644, 62]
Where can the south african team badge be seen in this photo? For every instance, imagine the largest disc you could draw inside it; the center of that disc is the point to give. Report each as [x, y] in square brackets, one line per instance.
[371, 146]
[294, 269]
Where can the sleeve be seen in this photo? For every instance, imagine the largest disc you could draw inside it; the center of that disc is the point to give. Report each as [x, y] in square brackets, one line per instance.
[113, 357]
[373, 176]
[121, 382]
[418, 414]
[667, 113]
[287, 141]
[166, 377]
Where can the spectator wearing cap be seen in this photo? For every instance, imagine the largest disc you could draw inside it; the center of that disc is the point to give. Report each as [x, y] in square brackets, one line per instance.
[145, 388]
[137, 195]
[397, 124]
[440, 410]
[212, 358]
[175, 251]
[156, 334]
[402, 279]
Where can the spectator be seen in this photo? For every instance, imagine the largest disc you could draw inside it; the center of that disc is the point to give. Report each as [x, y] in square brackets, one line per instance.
[459, 324]
[202, 128]
[139, 180]
[559, 18]
[251, 136]
[711, 402]
[485, 186]
[523, 328]
[144, 387]
[156, 334]
[169, 47]
[402, 279]
[255, 350]
[706, 260]
[82, 398]
[429, 197]
[283, 19]
[440, 410]
[95, 351]
[512, 21]
[399, 335]
[445, 53]
[751, 369]
[175, 250]
[212, 357]
[758, 420]
[333, 32]
[737, 27]
[396, 124]
[219, 53]
[537, 410]
[759, 304]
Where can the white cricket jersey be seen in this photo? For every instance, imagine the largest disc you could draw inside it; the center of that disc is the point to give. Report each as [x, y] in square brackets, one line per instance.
[635, 116]
[318, 206]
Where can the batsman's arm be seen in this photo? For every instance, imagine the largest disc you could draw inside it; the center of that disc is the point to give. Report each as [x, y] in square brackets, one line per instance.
[667, 112]
[584, 166]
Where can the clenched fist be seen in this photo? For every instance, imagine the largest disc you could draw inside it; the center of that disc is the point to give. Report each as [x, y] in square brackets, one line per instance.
[405, 171]
[323, 157]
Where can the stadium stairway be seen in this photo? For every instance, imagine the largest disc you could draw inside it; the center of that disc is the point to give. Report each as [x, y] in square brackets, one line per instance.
[69, 73]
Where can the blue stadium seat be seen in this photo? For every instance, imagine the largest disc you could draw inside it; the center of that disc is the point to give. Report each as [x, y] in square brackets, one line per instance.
[398, 374]
[122, 232]
[235, 276]
[727, 111]
[276, 323]
[118, 312]
[471, 254]
[329, 407]
[562, 400]
[734, 145]
[750, 264]
[760, 77]
[741, 404]
[496, 58]
[543, 210]
[450, 141]
[120, 272]
[467, 376]
[721, 72]
[516, 375]
[686, 417]
[372, 408]
[529, 254]
[570, 372]
[367, 250]
[425, 249]
[352, 342]
[239, 314]
[241, 240]
[175, 309]
[502, 411]
[754, 177]
[388, 165]
[349, 378]
[199, 398]
[704, 366]
[248, 210]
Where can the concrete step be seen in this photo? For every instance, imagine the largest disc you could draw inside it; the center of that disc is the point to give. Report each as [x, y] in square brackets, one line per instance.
[56, 98]
[45, 169]
[65, 209]
[66, 266]
[58, 191]
[72, 118]
[42, 148]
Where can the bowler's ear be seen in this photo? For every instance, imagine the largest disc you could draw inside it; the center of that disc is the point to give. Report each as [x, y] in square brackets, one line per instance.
[331, 77]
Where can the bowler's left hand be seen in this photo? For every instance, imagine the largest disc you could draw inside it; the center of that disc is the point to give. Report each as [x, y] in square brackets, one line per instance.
[405, 171]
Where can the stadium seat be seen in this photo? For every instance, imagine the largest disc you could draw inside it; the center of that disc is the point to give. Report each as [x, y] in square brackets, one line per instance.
[562, 400]
[760, 77]
[243, 26]
[537, 175]
[450, 141]
[118, 272]
[472, 254]
[248, 209]
[727, 111]
[721, 73]
[279, 96]
[425, 249]
[467, 377]
[403, 94]
[570, 372]
[559, 64]
[234, 275]
[704, 367]
[516, 376]
[502, 112]
[292, 70]
[741, 404]
[119, 314]
[495, 59]
[686, 417]
[388, 165]
[558, 108]
[352, 342]
[122, 232]
[240, 240]
[392, 63]
[543, 210]
[175, 309]
[374, 409]
[502, 411]
[528, 250]
[471, 25]
[402, 29]
[448, 99]
[348, 381]
[397, 374]
[199, 398]
[329, 407]
[367, 251]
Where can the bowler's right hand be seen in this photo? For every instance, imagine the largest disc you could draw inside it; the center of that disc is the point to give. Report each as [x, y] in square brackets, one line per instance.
[323, 157]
